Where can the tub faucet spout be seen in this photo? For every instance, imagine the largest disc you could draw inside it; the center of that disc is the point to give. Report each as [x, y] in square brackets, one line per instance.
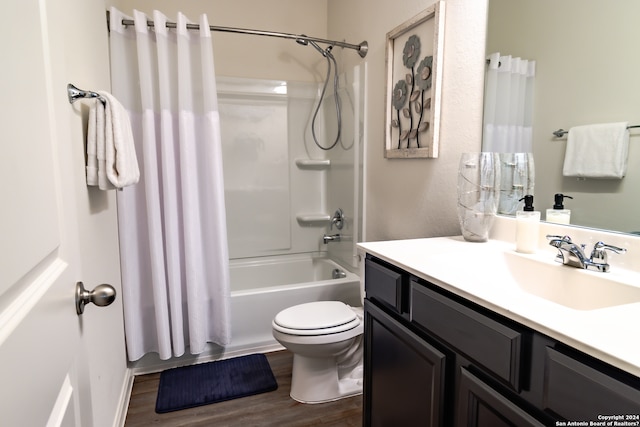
[330, 238]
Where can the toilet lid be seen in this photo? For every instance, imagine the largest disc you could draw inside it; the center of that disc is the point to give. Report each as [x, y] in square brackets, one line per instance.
[315, 315]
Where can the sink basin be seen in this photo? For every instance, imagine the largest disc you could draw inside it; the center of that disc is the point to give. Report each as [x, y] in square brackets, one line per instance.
[506, 271]
[568, 286]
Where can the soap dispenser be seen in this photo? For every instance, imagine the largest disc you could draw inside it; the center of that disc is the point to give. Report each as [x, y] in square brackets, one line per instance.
[559, 214]
[527, 227]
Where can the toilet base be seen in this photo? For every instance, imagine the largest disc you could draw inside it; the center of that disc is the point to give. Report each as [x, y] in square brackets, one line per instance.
[315, 380]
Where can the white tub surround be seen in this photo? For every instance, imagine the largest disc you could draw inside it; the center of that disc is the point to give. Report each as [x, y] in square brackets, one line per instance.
[281, 190]
[480, 272]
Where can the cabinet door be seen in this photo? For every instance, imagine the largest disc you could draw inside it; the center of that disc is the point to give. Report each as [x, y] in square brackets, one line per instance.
[404, 375]
[478, 405]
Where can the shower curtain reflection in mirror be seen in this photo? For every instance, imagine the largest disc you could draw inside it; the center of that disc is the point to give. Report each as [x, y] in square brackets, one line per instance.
[508, 130]
[517, 178]
[173, 240]
[508, 104]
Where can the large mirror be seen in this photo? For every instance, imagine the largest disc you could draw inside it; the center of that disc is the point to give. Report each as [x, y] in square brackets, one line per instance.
[587, 72]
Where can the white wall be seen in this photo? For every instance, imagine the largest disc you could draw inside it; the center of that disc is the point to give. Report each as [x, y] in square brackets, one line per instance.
[417, 197]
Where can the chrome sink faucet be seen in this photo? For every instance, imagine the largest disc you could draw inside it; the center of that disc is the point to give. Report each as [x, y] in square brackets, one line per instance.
[572, 254]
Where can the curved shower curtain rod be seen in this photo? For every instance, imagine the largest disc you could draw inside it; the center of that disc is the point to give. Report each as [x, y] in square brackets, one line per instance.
[362, 48]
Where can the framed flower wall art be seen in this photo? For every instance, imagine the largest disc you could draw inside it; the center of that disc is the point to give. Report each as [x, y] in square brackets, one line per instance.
[414, 85]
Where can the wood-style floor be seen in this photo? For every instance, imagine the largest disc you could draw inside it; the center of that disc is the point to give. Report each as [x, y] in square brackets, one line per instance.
[275, 408]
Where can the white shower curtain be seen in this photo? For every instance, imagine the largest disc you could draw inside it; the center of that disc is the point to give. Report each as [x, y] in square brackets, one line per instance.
[508, 105]
[173, 242]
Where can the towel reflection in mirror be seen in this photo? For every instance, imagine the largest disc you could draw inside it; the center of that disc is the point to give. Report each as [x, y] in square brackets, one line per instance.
[597, 151]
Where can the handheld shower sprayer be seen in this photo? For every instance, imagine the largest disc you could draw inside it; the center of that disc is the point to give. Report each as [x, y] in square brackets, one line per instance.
[330, 58]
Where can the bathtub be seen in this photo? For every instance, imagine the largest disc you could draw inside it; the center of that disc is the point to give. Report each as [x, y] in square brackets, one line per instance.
[261, 287]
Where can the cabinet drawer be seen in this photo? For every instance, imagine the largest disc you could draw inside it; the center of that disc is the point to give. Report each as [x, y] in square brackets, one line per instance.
[384, 285]
[577, 391]
[486, 341]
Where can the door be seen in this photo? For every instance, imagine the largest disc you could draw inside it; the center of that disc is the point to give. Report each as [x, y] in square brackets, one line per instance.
[57, 368]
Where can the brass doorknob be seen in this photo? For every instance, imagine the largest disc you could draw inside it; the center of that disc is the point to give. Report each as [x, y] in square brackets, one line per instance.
[101, 296]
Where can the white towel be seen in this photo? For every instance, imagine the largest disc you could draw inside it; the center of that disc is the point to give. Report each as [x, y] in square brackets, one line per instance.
[111, 155]
[597, 151]
[92, 144]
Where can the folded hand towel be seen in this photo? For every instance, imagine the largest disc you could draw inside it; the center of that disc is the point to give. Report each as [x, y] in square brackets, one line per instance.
[96, 155]
[92, 146]
[597, 151]
[111, 155]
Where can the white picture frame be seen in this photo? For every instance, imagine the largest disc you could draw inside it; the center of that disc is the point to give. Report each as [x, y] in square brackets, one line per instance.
[412, 109]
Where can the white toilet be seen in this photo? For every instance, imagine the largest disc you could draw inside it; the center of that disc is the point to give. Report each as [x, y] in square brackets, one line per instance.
[325, 338]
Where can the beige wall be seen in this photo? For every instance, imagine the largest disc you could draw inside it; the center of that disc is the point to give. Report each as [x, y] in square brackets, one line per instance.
[417, 197]
[241, 55]
[403, 198]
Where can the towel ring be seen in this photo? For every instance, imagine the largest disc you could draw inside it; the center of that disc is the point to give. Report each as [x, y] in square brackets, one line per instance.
[74, 94]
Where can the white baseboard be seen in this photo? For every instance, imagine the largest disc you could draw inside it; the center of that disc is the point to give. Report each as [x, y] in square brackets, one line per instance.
[125, 397]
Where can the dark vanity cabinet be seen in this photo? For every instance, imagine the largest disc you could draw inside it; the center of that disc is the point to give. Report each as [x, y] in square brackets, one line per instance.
[433, 358]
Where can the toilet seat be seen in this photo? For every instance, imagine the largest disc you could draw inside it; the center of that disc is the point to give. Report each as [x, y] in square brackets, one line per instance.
[316, 318]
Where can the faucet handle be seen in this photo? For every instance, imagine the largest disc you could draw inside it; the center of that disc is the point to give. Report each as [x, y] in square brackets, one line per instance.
[599, 253]
[337, 220]
[552, 237]
[557, 241]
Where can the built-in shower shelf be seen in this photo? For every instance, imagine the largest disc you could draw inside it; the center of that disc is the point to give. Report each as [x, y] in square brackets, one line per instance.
[313, 164]
[313, 219]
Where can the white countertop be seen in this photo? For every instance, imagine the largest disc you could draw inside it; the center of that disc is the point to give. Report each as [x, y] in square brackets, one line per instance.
[610, 333]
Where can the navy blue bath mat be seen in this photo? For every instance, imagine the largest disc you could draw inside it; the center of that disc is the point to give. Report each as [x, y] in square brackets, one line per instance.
[196, 385]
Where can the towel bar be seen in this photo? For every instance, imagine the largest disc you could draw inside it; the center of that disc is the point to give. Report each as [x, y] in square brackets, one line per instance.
[561, 132]
[74, 94]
